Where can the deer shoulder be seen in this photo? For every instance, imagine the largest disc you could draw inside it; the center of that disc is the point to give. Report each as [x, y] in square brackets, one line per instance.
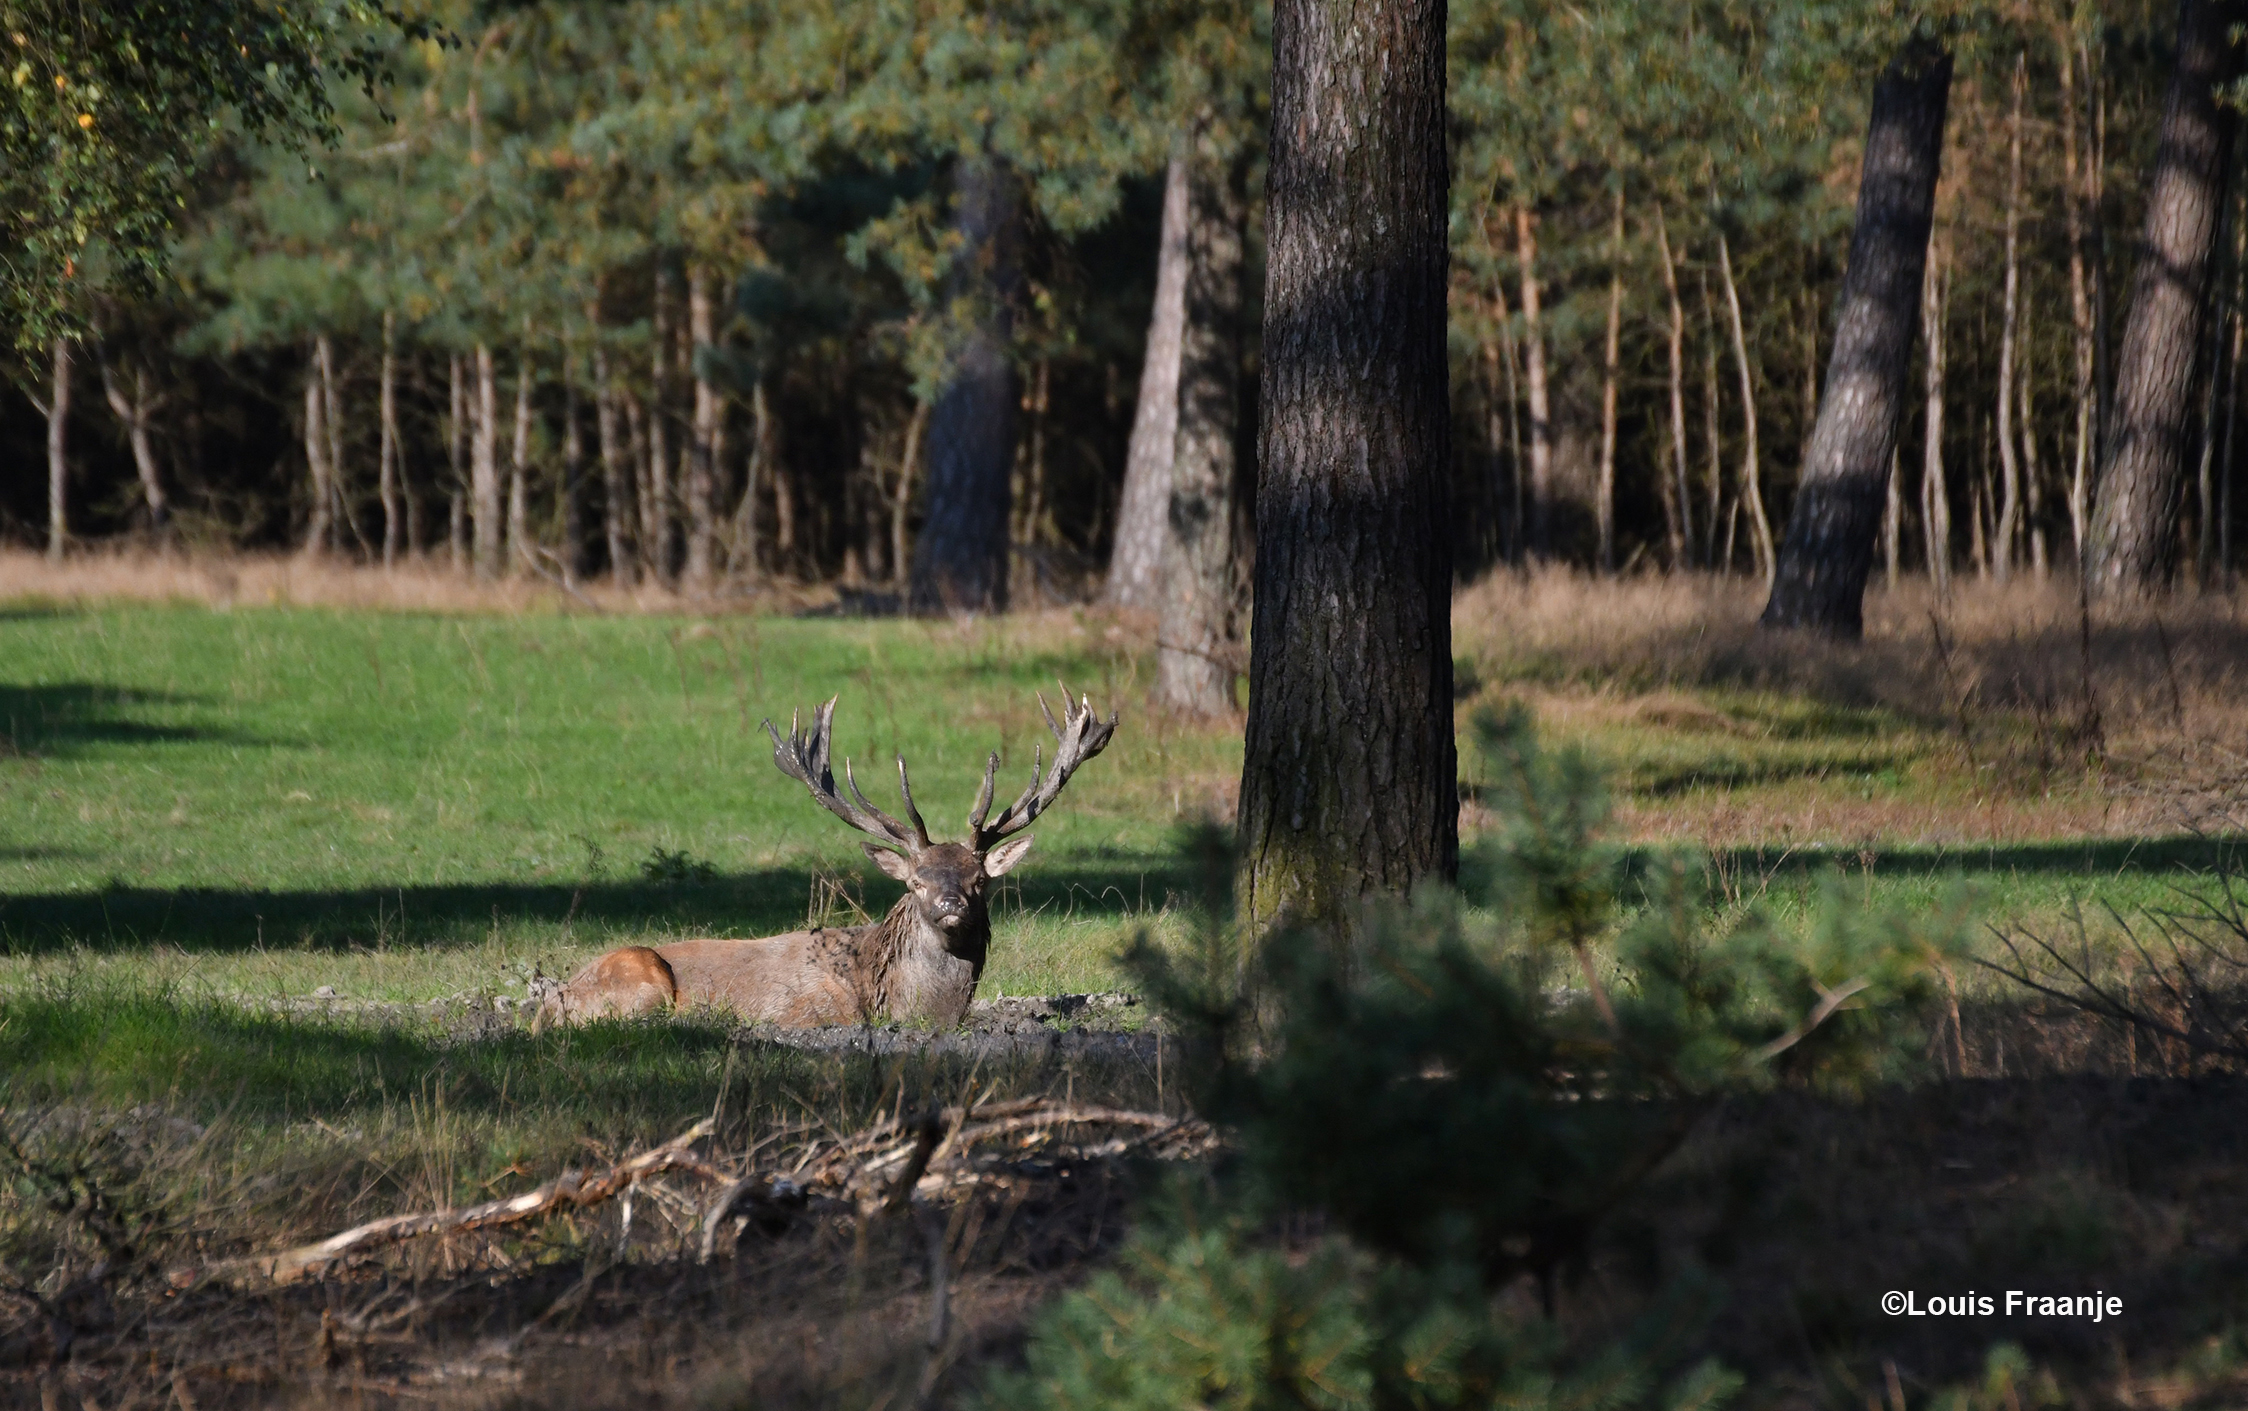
[919, 964]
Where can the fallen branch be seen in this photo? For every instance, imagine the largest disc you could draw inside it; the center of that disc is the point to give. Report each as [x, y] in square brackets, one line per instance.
[568, 1191]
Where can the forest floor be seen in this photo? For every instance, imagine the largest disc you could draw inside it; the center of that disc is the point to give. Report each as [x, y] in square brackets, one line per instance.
[282, 850]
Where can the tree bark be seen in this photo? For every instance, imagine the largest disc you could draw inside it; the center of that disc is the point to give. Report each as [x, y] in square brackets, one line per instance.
[58, 454]
[2080, 302]
[656, 519]
[519, 547]
[1713, 435]
[135, 413]
[1681, 518]
[387, 458]
[2143, 461]
[1606, 506]
[901, 499]
[1136, 560]
[573, 473]
[320, 523]
[1349, 779]
[702, 465]
[1935, 492]
[616, 479]
[1820, 580]
[456, 436]
[331, 397]
[2009, 467]
[1541, 406]
[483, 467]
[960, 561]
[1197, 639]
[1752, 473]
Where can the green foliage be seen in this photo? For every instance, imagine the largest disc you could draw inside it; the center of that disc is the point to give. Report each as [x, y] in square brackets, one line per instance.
[106, 110]
[1464, 1091]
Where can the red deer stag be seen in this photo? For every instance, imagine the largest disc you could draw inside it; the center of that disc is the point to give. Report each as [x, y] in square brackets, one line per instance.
[919, 964]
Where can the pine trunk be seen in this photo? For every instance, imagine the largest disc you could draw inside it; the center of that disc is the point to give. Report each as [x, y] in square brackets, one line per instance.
[456, 493]
[573, 474]
[393, 527]
[1349, 780]
[656, 520]
[1605, 508]
[1541, 406]
[1136, 560]
[702, 464]
[2133, 535]
[616, 479]
[318, 524]
[1679, 505]
[58, 453]
[1197, 637]
[2009, 324]
[960, 561]
[485, 493]
[1752, 474]
[1935, 492]
[134, 414]
[520, 550]
[901, 498]
[2079, 297]
[1820, 579]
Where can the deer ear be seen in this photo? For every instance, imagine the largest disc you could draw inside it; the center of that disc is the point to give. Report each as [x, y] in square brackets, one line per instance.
[889, 861]
[1002, 859]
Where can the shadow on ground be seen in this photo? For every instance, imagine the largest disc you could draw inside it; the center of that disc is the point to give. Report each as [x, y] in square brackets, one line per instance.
[757, 903]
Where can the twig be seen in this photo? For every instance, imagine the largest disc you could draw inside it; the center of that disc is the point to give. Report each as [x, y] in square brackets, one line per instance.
[1829, 1001]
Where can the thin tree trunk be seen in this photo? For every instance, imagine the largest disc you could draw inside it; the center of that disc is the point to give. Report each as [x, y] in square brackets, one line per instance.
[520, 548]
[319, 523]
[702, 472]
[484, 470]
[1034, 457]
[2033, 469]
[1541, 408]
[1136, 560]
[1935, 493]
[2080, 302]
[748, 556]
[134, 413]
[57, 412]
[393, 527]
[1714, 438]
[1752, 476]
[331, 396]
[902, 499]
[2010, 486]
[1893, 518]
[1197, 636]
[656, 517]
[616, 477]
[960, 560]
[573, 473]
[1820, 581]
[1349, 778]
[2238, 317]
[456, 437]
[1679, 517]
[2133, 518]
[1610, 351]
[1519, 525]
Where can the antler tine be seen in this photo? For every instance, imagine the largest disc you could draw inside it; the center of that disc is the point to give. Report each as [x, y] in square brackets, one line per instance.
[983, 796]
[804, 758]
[1078, 736]
[905, 791]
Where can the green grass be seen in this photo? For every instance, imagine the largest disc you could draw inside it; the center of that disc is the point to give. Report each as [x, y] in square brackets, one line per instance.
[407, 806]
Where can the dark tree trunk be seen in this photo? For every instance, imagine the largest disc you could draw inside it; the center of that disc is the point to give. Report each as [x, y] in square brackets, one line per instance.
[960, 561]
[573, 473]
[702, 463]
[485, 492]
[2142, 467]
[616, 479]
[57, 412]
[1198, 636]
[1820, 580]
[1137, 558]
[393, 516]
[1349, 779]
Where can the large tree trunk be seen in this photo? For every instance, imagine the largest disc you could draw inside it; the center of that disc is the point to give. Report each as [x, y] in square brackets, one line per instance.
[1349, 782]
[1137, 558]
[393, 529]
[702, 464]
[960, 561]
[57, 411]
[1821, 575]
[484, 468]
[1541, 406]
[1678, 506]
[616, 480]
[2009, 323]
[134, 413]
[1198, 636]
[2143, 461]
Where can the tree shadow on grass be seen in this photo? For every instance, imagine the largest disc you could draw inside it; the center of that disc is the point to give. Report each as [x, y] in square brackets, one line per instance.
[65, 717]
[759, 903]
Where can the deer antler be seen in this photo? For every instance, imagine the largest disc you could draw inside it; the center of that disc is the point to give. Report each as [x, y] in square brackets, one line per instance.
[803, 758]
[1078, 736]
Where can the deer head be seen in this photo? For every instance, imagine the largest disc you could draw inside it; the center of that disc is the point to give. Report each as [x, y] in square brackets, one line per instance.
[945, 881]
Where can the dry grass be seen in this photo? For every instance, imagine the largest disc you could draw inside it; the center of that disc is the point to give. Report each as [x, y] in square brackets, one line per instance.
[2004, 714]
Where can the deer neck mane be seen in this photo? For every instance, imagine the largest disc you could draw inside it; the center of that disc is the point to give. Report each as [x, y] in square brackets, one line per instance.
[906, 968]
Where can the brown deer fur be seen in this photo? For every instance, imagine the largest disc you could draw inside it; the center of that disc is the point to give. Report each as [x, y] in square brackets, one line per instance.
[918, 964]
